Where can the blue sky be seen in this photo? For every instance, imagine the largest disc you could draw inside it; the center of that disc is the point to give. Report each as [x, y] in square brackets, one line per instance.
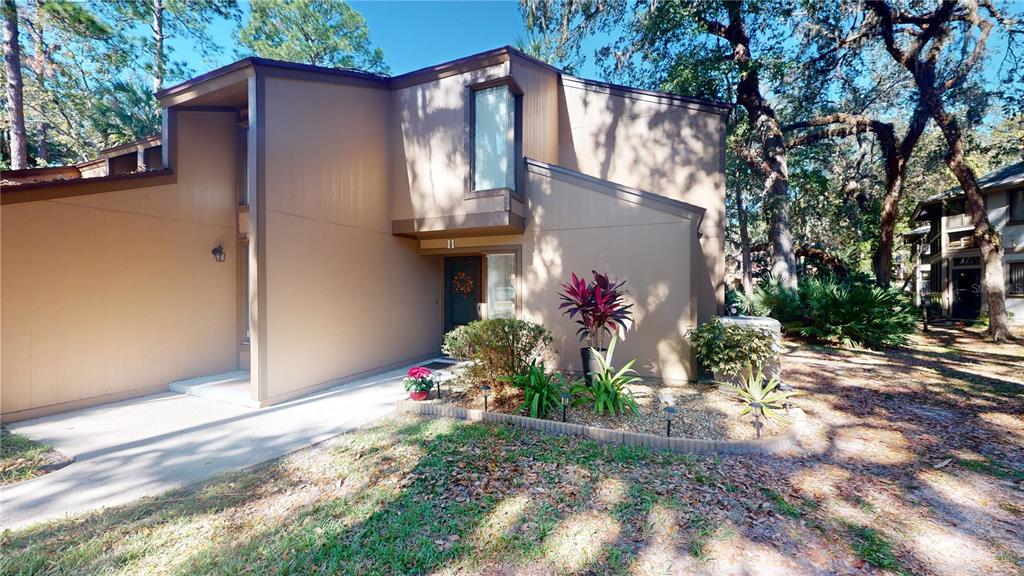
[413, 34]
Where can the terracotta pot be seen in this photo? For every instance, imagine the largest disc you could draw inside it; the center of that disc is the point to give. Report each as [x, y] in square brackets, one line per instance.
[419, 396]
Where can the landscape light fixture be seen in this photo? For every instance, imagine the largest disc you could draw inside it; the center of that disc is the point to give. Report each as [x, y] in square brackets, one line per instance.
[565, 404]
[669, 412]
[438, 382]
[219, 254]
[758, 410]
[486, 390]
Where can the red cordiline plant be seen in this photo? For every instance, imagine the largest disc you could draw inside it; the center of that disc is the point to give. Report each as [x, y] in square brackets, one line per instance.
[599, 307]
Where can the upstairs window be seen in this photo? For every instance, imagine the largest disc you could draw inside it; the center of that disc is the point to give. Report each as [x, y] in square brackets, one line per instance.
[1015, 275]
[1016, 201]
[495, 138]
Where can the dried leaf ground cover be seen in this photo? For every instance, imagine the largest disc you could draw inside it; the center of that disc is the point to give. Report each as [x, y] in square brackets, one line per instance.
[917, 471]
[22, 458]
[704, 412]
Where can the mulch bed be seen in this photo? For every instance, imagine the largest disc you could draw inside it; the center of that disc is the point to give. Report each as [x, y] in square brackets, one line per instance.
[704, 412]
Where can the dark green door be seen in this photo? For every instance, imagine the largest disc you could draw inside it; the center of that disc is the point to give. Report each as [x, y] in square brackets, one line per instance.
[461, 290]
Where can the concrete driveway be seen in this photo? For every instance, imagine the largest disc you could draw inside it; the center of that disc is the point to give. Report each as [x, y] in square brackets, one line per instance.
[146, 446]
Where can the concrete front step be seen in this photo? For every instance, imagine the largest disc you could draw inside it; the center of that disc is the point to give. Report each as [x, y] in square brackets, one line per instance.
[231, 387]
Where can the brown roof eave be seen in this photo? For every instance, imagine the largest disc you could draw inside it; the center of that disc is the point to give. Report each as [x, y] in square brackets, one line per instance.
[54, 189]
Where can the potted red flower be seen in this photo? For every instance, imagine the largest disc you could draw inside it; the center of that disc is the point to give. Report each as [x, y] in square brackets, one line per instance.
[418, 382]
[601, 310]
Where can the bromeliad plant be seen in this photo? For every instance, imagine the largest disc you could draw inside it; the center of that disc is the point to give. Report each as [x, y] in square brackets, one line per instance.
[762, 399]
[599, 307]
[607, 389]
[542, 392]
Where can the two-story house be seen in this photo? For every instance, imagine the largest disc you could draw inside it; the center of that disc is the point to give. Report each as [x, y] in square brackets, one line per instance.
[948, 263]
[305, 226]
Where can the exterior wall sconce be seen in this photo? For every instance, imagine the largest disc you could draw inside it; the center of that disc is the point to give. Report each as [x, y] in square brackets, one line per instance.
[219, 254]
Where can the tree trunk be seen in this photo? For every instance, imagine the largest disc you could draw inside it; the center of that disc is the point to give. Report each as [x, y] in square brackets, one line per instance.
[887, 230]
[158, 45]
[40, 69]
[748, 284]
[15, 105]
[993, 284]
[762, 118]
[936, 30]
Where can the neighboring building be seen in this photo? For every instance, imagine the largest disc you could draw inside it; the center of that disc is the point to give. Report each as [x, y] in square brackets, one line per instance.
[949, 262]
[144, 155]
[310, 225]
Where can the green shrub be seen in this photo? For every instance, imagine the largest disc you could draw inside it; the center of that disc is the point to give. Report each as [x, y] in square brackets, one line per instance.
[607, 389]
[729, 349]
[837, 312]
[496, 348]
[542, 392]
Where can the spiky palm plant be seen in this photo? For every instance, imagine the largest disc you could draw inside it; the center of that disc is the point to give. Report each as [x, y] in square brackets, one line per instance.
[762, 398]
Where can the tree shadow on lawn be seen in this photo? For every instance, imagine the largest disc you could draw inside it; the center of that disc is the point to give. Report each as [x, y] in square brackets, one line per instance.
[412, 498]
[436, 496]
[913, 436]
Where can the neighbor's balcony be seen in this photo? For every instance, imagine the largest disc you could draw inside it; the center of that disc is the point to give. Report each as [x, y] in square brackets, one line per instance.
[957, 221]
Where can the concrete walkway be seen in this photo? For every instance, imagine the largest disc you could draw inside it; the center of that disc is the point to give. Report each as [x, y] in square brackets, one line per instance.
[146, 446]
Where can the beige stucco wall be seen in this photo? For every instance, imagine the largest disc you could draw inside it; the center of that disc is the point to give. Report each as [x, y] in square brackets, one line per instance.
[540, 109]
[670, 148]
[344, 296]
[576, 229]
[116, 294]
[573, 227]
[430, 147]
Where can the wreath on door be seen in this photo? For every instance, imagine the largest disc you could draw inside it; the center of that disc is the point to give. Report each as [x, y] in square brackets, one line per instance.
[462, 283]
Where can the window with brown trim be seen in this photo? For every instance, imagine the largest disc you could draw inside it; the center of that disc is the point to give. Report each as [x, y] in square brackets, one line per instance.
[495, 135]
[1016, 206]
[1015, 275]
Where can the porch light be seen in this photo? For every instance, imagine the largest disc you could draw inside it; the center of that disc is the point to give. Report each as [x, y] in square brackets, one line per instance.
[219, 254]
[565, 404]
[486, 390]
[670, 411]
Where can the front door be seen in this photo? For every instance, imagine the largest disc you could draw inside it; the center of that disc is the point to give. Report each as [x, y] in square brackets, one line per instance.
[966, 293]
[461, 290]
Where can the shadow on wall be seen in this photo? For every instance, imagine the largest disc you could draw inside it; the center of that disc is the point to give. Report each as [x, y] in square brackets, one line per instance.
[575, 229]
[675, 151]
[668, 150]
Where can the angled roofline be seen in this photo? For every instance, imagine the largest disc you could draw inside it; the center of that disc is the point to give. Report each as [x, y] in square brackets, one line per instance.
[53, 189]
[451, 67]
[628, 193]
[993, 181]
[713, 106]
[270, 64]
[431, 73]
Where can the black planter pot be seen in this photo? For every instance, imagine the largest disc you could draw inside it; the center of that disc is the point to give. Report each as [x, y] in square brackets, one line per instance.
[590, 363]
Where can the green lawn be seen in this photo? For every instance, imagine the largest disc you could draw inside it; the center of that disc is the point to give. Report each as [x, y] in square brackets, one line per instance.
[20, 457]
[901, 476]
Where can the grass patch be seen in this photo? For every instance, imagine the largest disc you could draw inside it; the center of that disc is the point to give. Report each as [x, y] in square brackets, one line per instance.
[21, 458]
[873, 548]
[989, 466]
[408, 497]
[782, 505]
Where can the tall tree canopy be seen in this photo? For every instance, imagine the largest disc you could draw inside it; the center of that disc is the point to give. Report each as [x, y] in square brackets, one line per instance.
[82, 73]
[721, 49]
[830, 110]
[317, 32]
